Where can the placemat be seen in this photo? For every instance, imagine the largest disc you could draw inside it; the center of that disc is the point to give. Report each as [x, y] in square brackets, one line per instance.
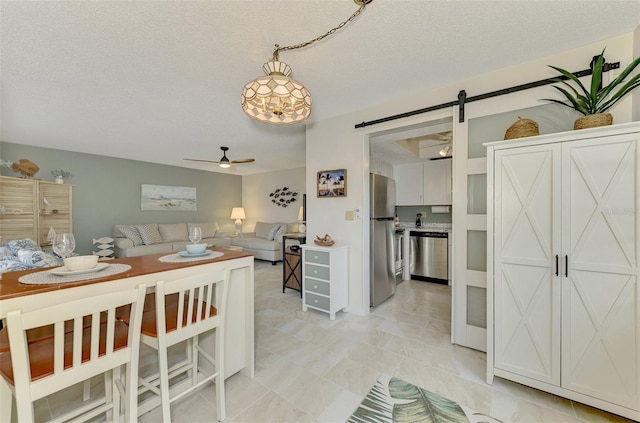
[175, 258]
[42, 278]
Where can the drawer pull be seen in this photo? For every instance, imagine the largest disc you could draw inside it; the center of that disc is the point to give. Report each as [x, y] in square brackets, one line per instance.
[315, 257]
[315, 271]
[315, 301]
[315, 286]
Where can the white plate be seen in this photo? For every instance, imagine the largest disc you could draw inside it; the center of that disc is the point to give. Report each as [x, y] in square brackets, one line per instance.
[188, 254]
[62, 271]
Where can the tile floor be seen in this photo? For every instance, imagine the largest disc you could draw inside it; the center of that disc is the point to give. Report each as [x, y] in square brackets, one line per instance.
[311, 369]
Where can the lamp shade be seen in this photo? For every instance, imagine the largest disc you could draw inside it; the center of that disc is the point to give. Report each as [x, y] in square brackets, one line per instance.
[301, 214]
[276, 98]
[238, 213]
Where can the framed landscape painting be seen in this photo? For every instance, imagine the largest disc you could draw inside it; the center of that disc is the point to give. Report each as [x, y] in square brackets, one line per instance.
[332, 183]
[168, 198]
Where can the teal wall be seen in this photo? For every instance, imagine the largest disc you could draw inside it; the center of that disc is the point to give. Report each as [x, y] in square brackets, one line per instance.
[107, 190]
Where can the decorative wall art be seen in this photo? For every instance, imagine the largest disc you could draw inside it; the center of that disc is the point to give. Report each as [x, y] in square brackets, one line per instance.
[165, 197]
[332, 183]
[282, 197]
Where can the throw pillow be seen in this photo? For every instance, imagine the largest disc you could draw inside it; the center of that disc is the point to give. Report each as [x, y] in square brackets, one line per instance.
[282, 229]
[149, 234]
[12, 265]
[263, 229]
[23, 244]
[273, 231]
[39, 258]
[6, 252]
[131, 232]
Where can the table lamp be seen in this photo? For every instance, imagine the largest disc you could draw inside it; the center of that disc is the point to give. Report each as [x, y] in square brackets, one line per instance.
[237, 213]
[302, 228]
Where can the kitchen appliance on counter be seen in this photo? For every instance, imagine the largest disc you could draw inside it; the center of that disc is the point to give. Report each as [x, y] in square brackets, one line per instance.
[382, 237]
[430, 256]
[419, 220]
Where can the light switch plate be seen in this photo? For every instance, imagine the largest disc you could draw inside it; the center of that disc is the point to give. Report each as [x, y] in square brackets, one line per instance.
[348, 215]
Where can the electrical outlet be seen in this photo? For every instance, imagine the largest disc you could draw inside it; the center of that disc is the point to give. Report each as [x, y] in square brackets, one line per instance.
[348, 215]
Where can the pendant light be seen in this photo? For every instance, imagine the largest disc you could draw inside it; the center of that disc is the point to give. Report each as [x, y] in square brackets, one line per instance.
[276, 97]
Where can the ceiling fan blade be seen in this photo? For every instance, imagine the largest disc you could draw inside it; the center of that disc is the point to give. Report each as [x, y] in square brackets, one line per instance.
[243, 161]
[202, 160]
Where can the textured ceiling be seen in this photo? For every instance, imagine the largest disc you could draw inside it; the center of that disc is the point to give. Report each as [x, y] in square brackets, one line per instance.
[161, 80]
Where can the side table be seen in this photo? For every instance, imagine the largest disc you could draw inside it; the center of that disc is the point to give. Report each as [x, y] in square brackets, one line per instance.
[292, 263]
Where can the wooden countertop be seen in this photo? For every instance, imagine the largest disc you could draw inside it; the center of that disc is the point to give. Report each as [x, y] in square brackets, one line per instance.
[143, 265]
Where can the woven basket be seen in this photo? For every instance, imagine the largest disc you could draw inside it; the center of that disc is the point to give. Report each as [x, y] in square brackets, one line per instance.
[323, 243]
[522, 128]
[592, 121]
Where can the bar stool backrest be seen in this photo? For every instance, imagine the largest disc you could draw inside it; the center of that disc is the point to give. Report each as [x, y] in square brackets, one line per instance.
[97, 343]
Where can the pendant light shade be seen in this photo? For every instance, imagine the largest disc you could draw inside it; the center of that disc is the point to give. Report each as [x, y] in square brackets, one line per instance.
[276, 98]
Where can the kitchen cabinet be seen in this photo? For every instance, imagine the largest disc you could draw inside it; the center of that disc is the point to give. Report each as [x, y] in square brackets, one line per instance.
[324, 278]
[409, 184]
[30, 207]
[563, 280]
[437, 182]
[425, 183]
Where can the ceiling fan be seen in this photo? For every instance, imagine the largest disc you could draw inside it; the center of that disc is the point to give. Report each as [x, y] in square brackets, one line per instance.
[224, 161]
[445, 139]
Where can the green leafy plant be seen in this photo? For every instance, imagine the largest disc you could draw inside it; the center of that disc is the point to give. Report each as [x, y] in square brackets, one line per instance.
[61, 174]
[596, 100]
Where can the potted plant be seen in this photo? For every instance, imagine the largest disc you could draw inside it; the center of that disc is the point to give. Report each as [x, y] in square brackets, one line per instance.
[60, 175]
[593, 103]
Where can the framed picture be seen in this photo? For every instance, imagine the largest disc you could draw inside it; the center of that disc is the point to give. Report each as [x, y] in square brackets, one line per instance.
[332, 183]
[167, 198]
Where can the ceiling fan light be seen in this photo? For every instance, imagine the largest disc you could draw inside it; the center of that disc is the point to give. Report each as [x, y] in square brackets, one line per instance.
[225, 165]
[276, 98]
[445, 151]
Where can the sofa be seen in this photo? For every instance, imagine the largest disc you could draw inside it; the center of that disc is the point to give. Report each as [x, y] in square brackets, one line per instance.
[265, 242]
[154, 238]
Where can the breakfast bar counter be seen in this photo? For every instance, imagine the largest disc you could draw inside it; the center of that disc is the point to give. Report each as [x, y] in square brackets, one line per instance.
[239, 333]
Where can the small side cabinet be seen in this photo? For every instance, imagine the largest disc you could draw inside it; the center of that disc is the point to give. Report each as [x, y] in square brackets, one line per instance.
[324, 278]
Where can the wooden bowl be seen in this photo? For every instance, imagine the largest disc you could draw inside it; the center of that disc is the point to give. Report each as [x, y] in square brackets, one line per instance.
[323, 243]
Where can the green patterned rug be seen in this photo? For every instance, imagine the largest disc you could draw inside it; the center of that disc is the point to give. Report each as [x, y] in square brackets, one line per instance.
[392, 400]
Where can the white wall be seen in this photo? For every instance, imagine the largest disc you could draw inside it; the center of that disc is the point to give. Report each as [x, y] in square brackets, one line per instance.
[257, 203]
[335, 144]
[636, 94]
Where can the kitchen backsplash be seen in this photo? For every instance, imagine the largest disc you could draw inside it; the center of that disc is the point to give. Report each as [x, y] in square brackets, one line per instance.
[408, 214]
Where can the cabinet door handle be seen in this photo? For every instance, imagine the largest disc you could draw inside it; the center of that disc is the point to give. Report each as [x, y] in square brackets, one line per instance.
[566, 266]
[557, 266]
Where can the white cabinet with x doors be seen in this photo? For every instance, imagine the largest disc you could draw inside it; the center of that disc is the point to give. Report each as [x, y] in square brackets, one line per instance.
[563, 276]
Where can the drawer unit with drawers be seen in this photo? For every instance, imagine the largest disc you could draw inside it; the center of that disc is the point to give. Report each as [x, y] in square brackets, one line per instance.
[324, 278]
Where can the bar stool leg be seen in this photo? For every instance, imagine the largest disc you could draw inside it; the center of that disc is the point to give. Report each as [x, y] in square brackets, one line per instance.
[163, 363]
[6, 400]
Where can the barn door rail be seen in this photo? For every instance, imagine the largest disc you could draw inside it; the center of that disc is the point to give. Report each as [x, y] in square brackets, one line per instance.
[463, 99]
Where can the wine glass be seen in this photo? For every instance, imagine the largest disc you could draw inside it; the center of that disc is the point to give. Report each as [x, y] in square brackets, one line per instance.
[64, 244]
[195, 234]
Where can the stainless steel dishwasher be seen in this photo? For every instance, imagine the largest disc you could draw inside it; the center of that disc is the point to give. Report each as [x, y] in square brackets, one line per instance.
[430, 256]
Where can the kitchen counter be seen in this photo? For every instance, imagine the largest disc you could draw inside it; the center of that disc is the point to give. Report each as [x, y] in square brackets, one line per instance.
[427, 227]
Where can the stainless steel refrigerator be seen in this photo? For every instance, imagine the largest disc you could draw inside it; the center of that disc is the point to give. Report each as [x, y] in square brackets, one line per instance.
[382, 236]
